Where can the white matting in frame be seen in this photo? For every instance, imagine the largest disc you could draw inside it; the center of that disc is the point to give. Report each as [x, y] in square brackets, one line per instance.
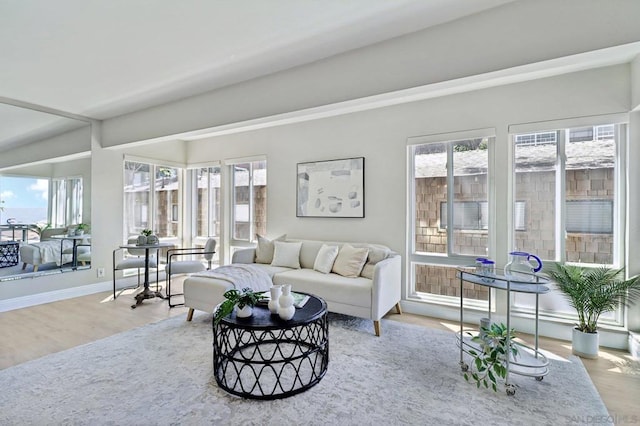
[333, 188]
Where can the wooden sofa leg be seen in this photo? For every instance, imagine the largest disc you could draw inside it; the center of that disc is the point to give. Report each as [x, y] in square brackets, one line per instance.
[398, 308]
[376, 327]
[190, 314]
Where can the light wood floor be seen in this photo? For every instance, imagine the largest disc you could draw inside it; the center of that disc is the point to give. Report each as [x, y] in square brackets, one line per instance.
[33, 332]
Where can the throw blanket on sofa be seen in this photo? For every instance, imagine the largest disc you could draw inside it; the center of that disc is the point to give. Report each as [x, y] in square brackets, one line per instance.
[50, 251]
[241, 276]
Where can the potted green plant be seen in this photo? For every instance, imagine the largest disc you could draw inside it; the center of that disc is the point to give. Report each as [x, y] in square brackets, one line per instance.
[489, 359]
[81, 228]
[144, 236]
[244, 299]
[592, 292]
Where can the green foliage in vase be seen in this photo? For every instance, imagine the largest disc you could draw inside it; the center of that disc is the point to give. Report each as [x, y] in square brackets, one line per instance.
[489, 362]
[240, 298]
[146, 232]
[594, 291]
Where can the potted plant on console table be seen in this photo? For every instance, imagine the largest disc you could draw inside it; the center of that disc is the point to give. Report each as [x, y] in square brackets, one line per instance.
[592, 292]
[245, 299]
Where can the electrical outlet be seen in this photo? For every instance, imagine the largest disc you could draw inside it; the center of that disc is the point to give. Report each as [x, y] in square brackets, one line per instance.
[100, 272]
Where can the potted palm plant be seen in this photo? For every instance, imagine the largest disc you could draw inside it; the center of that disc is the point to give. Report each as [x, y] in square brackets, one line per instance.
[592, 292]
[244, 299]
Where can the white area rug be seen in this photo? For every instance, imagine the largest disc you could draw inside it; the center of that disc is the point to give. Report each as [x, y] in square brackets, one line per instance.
[161, 374]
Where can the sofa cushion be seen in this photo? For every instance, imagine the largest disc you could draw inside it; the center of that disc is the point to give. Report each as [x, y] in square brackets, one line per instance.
[286, 254]
[309, 252]
[272, 270]
[264, 249]
[376, 254]
[350, 261]
[325, 258]
[331, 287]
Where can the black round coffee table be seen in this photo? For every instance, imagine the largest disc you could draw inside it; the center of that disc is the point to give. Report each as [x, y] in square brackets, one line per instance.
[265, 357]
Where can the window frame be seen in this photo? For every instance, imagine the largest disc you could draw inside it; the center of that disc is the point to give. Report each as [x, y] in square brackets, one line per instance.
[231, 208]
[149, 209]
[450, 258]
[563, 129]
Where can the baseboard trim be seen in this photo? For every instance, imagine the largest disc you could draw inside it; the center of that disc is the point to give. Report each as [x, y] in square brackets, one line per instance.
[53, 296]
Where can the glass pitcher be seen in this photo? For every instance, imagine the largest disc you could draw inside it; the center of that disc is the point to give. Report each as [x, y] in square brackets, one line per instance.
[520, 268]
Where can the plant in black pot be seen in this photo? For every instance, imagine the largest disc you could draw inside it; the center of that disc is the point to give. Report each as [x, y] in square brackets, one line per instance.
[244, 299]
[592, 292]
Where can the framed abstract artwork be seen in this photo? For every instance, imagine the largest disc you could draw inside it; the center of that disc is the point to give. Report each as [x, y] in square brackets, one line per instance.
[333, 188]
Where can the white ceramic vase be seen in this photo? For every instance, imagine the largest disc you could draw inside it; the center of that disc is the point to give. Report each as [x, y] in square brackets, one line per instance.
[274, 303]
[286, 310]
[244, 312]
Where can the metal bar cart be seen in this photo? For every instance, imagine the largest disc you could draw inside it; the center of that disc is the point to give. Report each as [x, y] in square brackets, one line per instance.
[529, 361]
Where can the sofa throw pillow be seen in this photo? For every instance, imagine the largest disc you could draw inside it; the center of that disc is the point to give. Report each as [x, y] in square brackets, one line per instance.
[376, 255]
[264, 249]
[286, 254]
[350, 261]
[325, 258]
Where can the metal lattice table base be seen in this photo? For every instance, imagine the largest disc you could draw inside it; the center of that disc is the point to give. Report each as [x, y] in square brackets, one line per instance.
[8, 253]
[271, 362]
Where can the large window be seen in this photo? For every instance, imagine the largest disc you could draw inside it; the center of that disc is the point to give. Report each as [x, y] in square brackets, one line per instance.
[568, 189]
[568, 186]
[152, 199]
[449, 185]
[249, 200]
[23, 200]
[207, 184]
[66, 202]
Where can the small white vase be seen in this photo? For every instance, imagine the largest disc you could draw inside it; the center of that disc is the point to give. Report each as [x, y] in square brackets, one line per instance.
[286, 310]
[274, 303]
[142, 240]
[244, 312]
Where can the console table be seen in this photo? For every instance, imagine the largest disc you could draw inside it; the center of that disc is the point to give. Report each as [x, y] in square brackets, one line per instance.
[530, 362]
[265, 357]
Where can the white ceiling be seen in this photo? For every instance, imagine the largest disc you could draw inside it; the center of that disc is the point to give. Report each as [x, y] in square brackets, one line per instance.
[101, 59]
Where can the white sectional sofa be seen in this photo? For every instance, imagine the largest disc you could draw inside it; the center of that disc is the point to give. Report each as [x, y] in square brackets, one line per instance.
[366, 288]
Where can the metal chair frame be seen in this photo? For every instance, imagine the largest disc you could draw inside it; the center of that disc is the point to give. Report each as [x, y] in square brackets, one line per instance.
[177, 252]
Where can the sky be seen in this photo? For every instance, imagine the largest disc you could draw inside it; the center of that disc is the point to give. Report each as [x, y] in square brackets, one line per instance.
[19, 192]
[25, 199]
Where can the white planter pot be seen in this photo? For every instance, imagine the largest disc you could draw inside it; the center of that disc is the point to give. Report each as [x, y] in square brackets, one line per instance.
[585, 345]
[245, 312]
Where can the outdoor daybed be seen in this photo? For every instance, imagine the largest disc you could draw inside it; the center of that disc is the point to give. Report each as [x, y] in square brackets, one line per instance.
[48, 250]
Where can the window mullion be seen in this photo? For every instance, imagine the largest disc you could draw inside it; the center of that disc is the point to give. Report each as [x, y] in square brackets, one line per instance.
[561, 189]
[450, 199]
